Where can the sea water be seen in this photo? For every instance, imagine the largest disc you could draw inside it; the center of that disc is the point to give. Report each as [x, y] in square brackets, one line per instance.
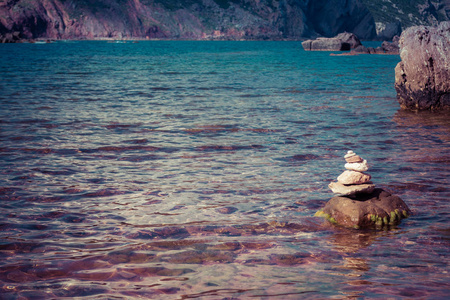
[192, 170]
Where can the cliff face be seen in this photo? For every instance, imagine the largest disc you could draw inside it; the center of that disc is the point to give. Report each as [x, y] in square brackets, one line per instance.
[190, 19]
[393, 15]
[332, 17]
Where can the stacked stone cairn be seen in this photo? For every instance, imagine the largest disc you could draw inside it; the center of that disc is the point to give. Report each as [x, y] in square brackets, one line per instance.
[358, 203]
[353, 180]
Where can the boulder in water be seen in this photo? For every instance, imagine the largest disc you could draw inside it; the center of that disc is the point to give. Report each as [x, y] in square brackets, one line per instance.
[377, 209]
[325, 44]
[422, 78]
[349, 38]
[342, 42]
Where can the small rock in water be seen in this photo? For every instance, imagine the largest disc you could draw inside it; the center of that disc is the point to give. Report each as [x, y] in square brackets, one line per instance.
[353, 177]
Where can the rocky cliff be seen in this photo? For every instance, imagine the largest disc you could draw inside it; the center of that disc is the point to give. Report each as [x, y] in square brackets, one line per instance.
[189, 19]
[391, 16]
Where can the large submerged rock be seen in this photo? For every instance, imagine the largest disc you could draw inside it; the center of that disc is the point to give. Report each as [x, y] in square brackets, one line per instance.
[422, 78]
[358, 203]
[385, 48]
[350, 42]
[325, 44]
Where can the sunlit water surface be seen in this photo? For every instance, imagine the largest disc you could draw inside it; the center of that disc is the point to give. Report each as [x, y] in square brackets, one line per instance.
[183, 170]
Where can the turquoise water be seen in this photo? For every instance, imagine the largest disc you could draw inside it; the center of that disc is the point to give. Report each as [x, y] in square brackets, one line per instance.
[192, 170]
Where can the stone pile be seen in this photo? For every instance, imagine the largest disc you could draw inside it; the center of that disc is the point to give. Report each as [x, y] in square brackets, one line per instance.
[353, 180]
[358, 203]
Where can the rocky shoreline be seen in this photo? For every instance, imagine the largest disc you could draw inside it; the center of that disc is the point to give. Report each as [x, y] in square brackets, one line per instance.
[350, 42]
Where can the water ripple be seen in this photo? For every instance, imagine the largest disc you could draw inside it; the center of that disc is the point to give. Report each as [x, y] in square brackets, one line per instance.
[193, 170]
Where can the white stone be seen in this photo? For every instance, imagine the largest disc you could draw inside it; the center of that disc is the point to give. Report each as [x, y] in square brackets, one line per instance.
[353, 177]
[359, 167]
[350, 153]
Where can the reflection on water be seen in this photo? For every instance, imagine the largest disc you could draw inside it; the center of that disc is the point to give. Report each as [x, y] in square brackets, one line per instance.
[183, 170]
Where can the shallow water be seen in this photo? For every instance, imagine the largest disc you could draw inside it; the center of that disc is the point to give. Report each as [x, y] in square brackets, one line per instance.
[192, 170]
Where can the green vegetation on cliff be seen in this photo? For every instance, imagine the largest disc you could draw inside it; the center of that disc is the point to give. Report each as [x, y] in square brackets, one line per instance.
[407, 12]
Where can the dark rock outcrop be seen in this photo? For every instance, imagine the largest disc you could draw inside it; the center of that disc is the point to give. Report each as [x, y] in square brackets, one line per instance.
[13, 37]
[362, 50]
[391, 47]
[349, 38]
[377, 209]
[192, 19]
[342, 42]
[349, 42]
[428, 12]
[331, 17]
[389, 31]
[422, 78]
[443, 10]
[389, 15]
[325, 44]
[385, 48]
